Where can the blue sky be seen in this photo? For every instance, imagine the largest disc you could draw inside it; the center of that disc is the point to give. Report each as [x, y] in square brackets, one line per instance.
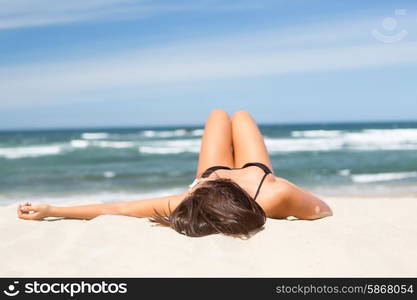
[100, 63]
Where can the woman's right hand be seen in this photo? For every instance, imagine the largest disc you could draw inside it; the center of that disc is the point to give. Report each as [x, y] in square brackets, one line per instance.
[28, 211]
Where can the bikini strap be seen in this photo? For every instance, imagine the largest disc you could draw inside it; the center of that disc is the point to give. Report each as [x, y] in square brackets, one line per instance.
[264, 167]
[260, 184]
[210, 170]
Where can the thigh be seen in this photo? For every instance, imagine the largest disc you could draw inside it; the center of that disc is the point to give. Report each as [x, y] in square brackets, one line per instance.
[216, 144]
[248, 142]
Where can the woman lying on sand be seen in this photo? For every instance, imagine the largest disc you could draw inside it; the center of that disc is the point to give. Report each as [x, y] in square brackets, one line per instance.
[235, 189]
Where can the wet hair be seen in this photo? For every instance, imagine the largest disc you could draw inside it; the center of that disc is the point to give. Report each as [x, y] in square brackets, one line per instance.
[217, 206]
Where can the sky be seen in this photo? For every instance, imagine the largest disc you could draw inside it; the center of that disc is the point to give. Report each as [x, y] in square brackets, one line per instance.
[104, 63]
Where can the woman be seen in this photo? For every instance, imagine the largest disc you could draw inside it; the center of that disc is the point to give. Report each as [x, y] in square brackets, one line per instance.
[235, 189]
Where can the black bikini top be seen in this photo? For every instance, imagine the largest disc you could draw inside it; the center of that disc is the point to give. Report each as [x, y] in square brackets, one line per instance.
[265, 168]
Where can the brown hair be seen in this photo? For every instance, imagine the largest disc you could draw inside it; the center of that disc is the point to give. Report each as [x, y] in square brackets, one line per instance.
[218, 206]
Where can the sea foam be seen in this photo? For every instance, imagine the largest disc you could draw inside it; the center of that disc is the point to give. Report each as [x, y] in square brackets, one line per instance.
[333, 140]
[94, 135]
[30, 151]
[168, 142]
[378, 177]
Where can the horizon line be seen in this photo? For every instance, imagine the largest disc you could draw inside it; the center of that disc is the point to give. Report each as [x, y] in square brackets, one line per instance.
[189, 125]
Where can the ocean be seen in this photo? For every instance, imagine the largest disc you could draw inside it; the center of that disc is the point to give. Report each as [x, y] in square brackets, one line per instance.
[114, 164]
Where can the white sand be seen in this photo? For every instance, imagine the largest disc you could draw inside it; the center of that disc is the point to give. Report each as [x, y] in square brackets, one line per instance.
[375, 237]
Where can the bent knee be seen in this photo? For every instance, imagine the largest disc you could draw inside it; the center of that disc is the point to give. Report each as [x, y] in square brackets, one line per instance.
[240, 113]
[219, 112]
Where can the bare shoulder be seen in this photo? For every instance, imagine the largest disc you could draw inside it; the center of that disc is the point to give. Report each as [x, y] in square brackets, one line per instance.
[286, 185]
[292, 200]
[274, 196]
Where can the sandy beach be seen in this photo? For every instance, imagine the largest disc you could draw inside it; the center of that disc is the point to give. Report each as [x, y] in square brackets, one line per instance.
[366, 237]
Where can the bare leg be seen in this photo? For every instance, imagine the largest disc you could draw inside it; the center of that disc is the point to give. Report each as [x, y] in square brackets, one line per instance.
[248, 142]
[216, 145]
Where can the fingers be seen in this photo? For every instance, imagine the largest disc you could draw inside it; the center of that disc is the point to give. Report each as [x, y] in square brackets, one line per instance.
[23, 211]
[24, 204]
[25, 216]
[28, 208]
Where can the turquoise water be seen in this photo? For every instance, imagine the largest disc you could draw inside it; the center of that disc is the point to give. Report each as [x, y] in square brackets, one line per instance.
[135, 163]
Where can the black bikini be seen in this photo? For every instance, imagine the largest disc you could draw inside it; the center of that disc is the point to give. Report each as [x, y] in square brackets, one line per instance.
[267, 171]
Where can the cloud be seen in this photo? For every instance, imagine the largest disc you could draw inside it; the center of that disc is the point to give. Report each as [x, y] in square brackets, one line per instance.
[319, 48]
[32, 13]
[37, 84]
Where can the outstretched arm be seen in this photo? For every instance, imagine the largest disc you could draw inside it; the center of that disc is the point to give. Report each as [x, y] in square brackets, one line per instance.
[141, 209]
